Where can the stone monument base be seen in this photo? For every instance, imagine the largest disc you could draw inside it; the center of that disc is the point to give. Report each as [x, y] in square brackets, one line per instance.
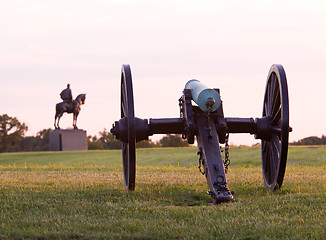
[68, 140]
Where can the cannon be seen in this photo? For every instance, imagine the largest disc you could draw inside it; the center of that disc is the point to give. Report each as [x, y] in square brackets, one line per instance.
[202, 118]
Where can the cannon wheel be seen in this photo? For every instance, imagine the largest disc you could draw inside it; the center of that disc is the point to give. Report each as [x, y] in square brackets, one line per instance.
[127, 111]
[276, 106]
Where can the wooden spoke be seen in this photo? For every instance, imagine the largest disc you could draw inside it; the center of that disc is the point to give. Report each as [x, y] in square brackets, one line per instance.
[277, 117]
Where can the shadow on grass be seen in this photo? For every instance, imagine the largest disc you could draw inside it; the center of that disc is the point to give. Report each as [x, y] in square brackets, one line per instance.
[169, 196]
[145, 194]
[175, 195]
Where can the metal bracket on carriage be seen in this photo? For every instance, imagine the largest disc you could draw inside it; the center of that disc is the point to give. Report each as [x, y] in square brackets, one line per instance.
[187, 113]
[222, 191]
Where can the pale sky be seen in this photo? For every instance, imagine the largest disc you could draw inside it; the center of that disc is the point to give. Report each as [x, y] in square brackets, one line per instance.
[45, 44]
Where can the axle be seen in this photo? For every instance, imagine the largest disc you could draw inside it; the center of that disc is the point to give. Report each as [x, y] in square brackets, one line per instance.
[145, 128]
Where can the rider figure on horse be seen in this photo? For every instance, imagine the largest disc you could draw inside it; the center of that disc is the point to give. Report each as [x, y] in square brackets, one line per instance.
[68, 105]
[66, 94]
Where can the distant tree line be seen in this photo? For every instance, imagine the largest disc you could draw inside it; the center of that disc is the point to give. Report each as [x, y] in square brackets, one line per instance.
[311, 141]
[106, 140]
[13, 139]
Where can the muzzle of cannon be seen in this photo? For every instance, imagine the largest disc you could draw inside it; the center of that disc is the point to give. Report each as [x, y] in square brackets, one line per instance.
[201, 116]
[207, 99]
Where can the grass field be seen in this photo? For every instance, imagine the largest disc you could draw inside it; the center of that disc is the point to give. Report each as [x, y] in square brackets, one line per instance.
[80, 195]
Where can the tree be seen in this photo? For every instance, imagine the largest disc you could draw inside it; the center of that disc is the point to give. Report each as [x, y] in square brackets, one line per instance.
[11, 132]
[94, 143]
[38, 143]
[171, 140]
[146, 144]
[313, 140]
[108, 140]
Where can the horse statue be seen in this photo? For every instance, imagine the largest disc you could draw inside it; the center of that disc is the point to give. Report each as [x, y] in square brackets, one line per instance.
[69, 107]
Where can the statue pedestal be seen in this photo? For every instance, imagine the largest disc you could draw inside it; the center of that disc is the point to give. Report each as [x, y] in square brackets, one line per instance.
[68, 140]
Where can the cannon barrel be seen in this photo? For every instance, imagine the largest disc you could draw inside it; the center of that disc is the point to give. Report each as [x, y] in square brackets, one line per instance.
[207, 99]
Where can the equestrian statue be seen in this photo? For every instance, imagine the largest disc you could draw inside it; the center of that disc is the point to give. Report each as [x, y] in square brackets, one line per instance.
[69, 106]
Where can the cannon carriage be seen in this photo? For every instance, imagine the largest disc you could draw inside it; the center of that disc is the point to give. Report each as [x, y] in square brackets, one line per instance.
[205, 122]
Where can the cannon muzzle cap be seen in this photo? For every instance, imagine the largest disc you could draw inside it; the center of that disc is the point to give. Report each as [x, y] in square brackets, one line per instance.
[210, 103]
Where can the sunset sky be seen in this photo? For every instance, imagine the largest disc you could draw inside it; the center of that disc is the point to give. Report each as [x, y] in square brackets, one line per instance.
[231, 45]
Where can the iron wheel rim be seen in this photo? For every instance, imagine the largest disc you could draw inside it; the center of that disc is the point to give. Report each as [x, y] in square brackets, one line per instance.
[127, 111]
[276, 107]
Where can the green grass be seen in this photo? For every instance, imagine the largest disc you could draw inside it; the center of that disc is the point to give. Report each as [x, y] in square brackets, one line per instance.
[183, 157]
[80, 195]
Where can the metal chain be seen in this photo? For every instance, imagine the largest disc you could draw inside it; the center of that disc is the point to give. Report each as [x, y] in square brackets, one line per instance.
[227, 155]
[200, 153]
